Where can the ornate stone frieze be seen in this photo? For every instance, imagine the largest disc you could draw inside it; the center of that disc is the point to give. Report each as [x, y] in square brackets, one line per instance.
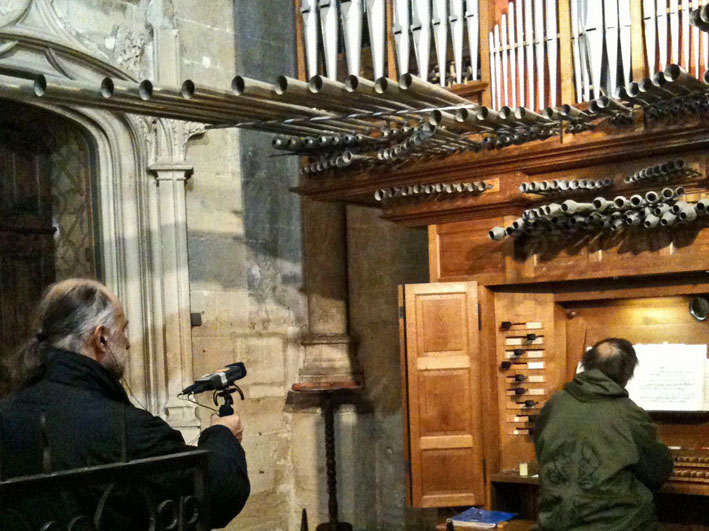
[129, 51]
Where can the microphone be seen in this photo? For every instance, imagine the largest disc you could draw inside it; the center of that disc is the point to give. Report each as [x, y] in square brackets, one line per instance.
[217, 381]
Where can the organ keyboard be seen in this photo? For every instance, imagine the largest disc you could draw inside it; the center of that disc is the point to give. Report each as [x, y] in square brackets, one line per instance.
[691, 466]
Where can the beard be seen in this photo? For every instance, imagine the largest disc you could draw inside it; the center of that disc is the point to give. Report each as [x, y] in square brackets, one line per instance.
[115, 365]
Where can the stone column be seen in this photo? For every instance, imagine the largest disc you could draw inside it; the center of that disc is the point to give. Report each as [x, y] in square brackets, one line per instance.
[329, 354]
[172, 294]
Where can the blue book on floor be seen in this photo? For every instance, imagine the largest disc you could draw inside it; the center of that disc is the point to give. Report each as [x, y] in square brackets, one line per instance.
[481, 518]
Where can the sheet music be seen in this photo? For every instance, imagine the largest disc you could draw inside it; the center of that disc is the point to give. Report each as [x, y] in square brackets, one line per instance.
[669, 377]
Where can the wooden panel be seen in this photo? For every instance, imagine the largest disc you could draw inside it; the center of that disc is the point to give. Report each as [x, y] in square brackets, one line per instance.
[443, 394]
[450, 441]
[446, 409]
[299, 42]
[604, 145]
[463, 250]
[26, 233]
[566, 65]
[447, 362]
[519, 309]
[448, 472]
[440, 320]
[467, 255]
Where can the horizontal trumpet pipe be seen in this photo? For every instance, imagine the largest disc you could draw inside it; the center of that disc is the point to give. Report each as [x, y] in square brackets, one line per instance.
[660, 80]
[569, 112]
[391, 89]
[528, 117]
[634, 91]
[409, 82]
[646, 86]
[473, 122]
[331, 90]
[676, 74]
[238, 97]
[607, 105]
[482, 118]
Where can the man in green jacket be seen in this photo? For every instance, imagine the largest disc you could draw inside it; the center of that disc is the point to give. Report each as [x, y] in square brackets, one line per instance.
[598, 453]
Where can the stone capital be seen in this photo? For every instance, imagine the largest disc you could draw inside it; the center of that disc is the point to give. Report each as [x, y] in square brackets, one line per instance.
[171, 171]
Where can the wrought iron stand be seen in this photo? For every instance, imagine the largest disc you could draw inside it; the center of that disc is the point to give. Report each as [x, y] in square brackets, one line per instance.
[327, 395]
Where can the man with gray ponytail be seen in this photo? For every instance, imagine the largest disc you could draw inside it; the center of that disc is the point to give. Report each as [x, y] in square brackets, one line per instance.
[66, 378]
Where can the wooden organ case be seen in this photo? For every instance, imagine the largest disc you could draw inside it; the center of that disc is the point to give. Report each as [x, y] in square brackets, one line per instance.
[515, 295]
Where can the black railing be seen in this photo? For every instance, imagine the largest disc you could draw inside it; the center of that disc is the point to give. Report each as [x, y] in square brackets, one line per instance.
[22, 499]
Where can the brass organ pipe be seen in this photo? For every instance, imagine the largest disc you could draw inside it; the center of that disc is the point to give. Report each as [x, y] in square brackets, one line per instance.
[63, 91]
[126, 94]
[675, 74]
[390, 88]
[354, 85]
[173, 97]
[228, 103]
[17, 88]
[621, 93]
[648, 87]
[635, 92]
[528, 117]
[409, 82]
[569, 112]
[336, 91]
[285, 110]
[659, 80]
[293, 90]
[470, 119]
[605, 105]
[488, 118]
[439, 118]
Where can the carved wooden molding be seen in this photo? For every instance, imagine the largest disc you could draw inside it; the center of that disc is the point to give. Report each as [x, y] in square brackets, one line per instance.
[569, 153]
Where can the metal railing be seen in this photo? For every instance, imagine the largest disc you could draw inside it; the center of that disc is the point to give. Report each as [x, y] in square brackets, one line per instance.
[22, 499]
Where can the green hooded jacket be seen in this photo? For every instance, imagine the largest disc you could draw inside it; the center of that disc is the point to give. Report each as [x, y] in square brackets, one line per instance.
[599, 459]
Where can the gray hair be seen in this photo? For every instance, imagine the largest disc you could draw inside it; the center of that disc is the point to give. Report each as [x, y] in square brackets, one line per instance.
[65, 318]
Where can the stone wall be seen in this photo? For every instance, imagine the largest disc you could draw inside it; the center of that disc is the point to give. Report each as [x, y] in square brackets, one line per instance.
[245, 246]
[382, 256]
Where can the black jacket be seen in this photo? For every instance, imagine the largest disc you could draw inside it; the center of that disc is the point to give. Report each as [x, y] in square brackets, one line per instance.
[599, 459]
[85, 410]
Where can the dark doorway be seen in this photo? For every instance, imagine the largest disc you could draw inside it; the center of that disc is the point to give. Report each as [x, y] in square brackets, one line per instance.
[46, 223]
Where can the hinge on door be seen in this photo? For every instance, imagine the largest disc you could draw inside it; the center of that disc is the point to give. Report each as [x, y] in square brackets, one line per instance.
[480, 321]
[401, 312]
[484, 471]
[407, 465]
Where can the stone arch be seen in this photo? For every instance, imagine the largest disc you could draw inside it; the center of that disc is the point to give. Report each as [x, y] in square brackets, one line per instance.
[142, 232]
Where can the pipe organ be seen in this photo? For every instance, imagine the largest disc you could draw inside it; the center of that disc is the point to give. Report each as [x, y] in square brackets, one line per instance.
[524, 48]
[592, 222]
[429, 37]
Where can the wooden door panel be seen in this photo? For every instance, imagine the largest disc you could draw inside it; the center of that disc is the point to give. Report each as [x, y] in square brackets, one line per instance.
[441, 324]
[442, 394]
[26, 235]
[446, 409]
[442, 487]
